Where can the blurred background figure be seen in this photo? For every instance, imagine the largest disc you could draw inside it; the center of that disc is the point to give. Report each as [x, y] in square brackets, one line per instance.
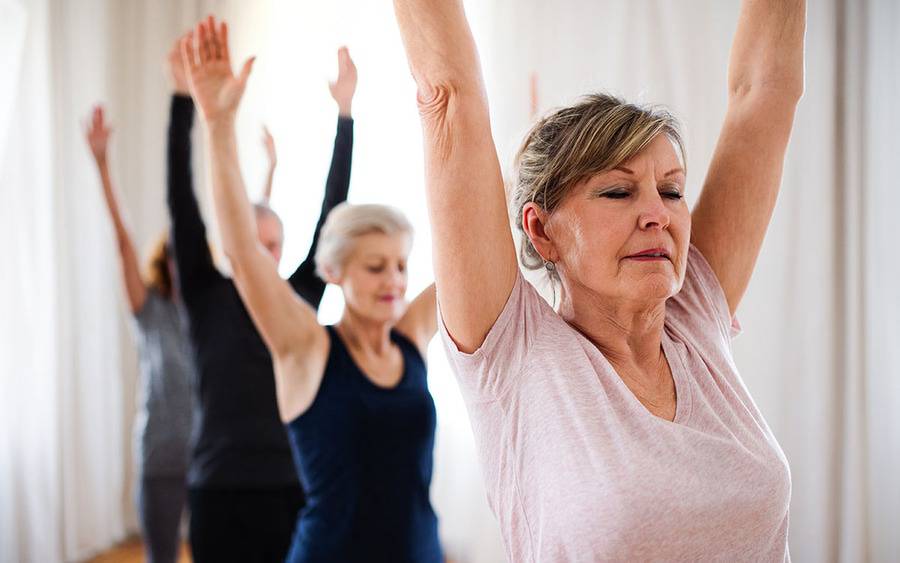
[244, 494]
[163, 424]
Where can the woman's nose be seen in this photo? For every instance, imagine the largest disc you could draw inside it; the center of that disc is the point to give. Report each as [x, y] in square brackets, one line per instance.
[653, 212]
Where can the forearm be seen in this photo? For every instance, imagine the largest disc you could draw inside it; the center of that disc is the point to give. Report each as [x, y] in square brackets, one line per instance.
[192, 255]
[182, 201]
[337, 186]
[462, 171]
[110, 197]
[267, 187]
[767, 53]
[275, 310]
[233, 209]
[439, 45]
[304, 280]
[128, 259]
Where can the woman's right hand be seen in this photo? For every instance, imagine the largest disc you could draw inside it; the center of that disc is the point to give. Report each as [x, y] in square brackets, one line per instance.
[215, 88]
[97, 134]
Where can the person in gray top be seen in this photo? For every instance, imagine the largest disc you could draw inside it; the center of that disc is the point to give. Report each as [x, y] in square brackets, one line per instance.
[164, 419]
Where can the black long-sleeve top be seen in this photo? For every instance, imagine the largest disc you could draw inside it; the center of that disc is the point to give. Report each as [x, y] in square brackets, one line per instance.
[239, 440]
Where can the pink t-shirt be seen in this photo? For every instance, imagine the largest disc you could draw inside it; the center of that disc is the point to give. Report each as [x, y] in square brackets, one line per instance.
[577, 469]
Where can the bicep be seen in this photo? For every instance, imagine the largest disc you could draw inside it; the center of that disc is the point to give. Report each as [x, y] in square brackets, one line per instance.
[135, 289]
[733, 211]
[419, 323]
[473, 244]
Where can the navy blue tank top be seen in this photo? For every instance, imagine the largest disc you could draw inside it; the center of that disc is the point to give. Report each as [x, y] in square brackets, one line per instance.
[364, 456]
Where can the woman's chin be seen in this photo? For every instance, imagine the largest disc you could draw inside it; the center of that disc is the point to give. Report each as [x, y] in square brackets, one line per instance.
[654, 287]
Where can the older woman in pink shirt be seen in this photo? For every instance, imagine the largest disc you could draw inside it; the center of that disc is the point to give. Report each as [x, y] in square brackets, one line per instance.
[617, 426]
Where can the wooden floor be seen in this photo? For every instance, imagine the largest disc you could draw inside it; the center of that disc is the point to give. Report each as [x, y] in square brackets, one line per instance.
[132, 551]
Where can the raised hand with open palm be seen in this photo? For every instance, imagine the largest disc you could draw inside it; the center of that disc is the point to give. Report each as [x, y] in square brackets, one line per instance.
[344, 87]
[216, 90]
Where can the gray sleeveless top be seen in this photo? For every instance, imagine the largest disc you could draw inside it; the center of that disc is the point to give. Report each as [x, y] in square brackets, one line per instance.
[162, 430]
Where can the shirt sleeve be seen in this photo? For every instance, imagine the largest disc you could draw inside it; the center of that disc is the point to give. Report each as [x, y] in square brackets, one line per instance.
[304, 280]
[701, 301]
[193, 260]
[491, 370]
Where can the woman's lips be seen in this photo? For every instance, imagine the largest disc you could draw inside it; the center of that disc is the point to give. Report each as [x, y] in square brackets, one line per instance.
[650, 255]
[648, 258]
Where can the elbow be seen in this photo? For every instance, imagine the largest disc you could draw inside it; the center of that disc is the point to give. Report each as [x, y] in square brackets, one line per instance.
[240, 255]
[783, 88]
[434, 98]
[445, 108]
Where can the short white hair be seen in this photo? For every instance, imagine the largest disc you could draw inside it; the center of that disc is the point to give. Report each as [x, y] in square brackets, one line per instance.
[347, 222]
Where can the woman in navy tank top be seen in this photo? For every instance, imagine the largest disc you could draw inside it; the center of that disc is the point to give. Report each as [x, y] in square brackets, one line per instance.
[353, 396]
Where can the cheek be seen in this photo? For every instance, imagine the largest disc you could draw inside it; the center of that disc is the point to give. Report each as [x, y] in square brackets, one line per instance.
[589, 239]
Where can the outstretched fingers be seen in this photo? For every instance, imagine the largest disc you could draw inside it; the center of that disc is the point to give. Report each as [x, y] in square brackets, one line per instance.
[223, 42]
[245, 71]
[215, 47]
[204, 43]
[345, 62]
[189, 53]
[97, 122]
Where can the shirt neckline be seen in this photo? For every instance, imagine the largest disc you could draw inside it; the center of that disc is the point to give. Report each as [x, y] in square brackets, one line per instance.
[683, 391]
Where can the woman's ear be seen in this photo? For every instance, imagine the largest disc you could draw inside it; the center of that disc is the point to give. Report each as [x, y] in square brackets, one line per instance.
[534, 223]
[332, 275]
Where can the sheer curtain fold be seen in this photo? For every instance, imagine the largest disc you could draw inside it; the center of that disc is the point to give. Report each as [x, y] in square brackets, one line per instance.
[67, 365]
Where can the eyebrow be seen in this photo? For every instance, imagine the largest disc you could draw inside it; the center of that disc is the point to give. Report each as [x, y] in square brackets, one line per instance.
[671, 172]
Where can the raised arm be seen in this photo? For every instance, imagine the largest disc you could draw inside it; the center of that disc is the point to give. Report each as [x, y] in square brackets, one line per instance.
[473, 245]
[98, 138]
[305, 281]
[765, 82]
[269, 145]
[419, 323]
[287, 324]
[193, 260]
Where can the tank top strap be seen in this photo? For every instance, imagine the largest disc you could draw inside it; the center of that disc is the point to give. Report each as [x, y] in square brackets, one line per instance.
[340, 363]
[413, 359]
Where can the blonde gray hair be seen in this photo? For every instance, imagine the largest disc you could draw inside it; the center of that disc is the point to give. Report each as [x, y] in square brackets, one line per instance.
[347, 222]
[574, 143]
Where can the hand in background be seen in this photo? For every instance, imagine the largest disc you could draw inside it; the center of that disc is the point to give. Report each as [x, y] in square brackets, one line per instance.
[175, 66]
[269, 144]
[344, 87]
[97, 134]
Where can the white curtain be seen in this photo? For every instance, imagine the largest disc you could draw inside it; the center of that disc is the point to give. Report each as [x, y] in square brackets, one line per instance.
[67, 364]
[821, 318]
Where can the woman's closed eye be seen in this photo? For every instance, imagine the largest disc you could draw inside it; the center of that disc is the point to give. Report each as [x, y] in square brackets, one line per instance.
[613, 193]
[671, 193]
[668, 192]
